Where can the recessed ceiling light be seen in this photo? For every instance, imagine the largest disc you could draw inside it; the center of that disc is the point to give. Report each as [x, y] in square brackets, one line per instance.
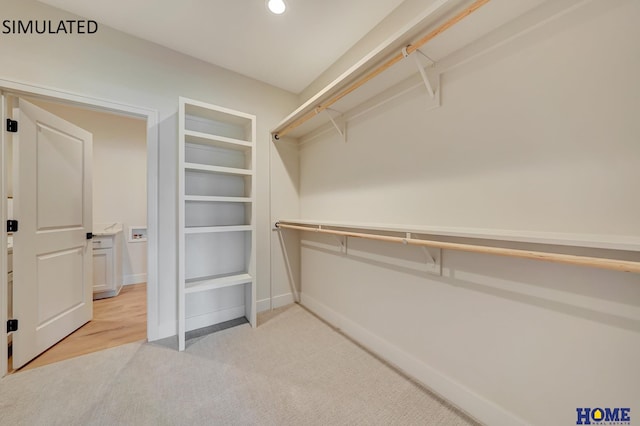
[276, 6]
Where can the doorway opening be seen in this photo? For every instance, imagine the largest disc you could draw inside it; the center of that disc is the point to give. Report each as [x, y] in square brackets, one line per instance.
[119, 226]
[125, 203]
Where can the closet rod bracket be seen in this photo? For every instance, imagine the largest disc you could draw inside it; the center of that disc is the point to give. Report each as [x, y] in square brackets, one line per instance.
[427, 253]
[433, 261]
[423, 73]
[341, 129]
[342, 242]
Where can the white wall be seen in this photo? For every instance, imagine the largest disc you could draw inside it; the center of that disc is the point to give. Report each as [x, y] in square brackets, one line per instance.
[113, 66]
[546, 133]
[119, 176]
[396, 20]
[285, 204]
[540, 135]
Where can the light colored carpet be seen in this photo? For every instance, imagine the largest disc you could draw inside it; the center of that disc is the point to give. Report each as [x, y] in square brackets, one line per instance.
[291, 370]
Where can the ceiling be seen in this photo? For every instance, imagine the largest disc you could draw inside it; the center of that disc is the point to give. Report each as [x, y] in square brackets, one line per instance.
[288, 51]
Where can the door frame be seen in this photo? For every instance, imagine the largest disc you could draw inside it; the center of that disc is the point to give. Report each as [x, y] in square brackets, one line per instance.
[14, 88]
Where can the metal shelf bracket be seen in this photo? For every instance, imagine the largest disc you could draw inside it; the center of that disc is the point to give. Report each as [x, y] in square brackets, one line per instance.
[342, 128]
[428, 254]
[342, 242]
[430, 257]
[423, 73]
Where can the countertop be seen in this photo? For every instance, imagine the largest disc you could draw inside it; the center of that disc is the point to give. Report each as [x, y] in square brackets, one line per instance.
[106, 229]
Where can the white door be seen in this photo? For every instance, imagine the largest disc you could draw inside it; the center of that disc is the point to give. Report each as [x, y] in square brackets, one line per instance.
[52, 293]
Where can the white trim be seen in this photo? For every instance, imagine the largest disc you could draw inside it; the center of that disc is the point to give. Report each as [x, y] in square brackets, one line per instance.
[27, 89]
[263, 305]
[168, 329]
[181, 178]
[213, 318]
[484, 410]
[151, 117]
[3, 243]
[134, 279]
[275, 302]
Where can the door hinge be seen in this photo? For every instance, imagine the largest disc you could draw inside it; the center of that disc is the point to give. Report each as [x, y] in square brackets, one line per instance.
[89, 235]
[12, 226]
[12, 125]
[12, 325]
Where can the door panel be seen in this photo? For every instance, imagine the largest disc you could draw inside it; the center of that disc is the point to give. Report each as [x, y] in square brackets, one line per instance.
[53, 300]
[52, 257]
[59, 189]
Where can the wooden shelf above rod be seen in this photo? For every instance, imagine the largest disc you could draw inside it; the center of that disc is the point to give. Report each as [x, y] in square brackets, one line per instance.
[596, 262]
[308, 111]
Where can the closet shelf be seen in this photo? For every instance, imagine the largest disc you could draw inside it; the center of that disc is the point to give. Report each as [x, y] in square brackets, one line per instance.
[366, 75]
[408, 238]
[195, 285]
[217, 169]
[217, 199]
[454, 34]
[217, 141]
[605, 242]
[216, 229]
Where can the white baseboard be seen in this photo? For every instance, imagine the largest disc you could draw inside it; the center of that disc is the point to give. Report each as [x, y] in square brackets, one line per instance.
[169, 328]
[475, 405]
[278, 301]
[134, 279]
[263, 305]
[211, 318]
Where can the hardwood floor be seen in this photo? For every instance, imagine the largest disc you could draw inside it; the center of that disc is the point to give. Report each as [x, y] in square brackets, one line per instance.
[116, 321]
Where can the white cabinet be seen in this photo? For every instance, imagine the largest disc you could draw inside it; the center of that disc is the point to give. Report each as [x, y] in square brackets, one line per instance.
[216, 216]
[102, 270]
[107, 263]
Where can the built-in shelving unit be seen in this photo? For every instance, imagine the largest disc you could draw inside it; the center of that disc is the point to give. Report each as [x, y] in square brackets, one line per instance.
[216, 218]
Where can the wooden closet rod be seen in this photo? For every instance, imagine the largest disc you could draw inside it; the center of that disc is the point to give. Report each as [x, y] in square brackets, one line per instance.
[397, 58]
[596, 262]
